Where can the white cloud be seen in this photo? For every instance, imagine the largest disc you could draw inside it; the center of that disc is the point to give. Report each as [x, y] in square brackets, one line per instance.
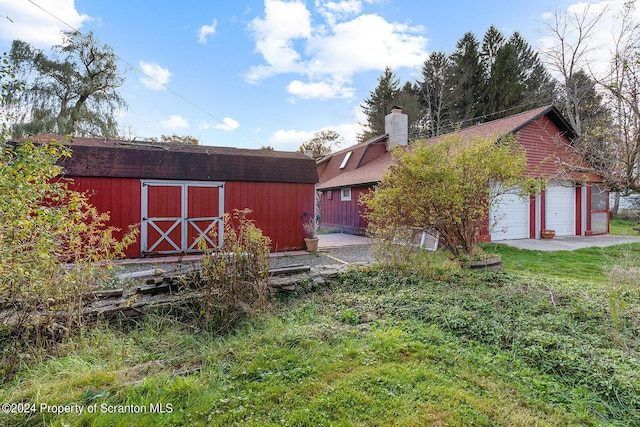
[207, 30]
[320, 90]
[174, 122]
[25, 21]
[227, 124]
[328, 54]
[155, 77]
[283, 23]
[333, 11]
[291, 139]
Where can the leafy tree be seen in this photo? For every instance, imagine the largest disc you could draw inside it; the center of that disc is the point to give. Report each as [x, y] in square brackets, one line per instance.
[444, 187]
[180, 139]
[73, 91]
[43, 223]
[322, 143]
[603, 109]
[379, 104]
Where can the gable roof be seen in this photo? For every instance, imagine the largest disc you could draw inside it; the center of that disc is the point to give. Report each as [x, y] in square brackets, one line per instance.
[369, 172]
[515, 123]
[362, 166]
[101, 157]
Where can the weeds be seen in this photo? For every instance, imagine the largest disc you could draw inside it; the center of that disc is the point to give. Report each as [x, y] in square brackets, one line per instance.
[44, 223]
[235, 276]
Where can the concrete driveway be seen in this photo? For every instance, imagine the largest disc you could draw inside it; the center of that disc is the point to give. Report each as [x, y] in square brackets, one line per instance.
[570, 243]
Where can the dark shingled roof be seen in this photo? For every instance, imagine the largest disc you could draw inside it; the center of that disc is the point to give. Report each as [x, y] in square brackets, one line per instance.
[359, 173]
[100, 157]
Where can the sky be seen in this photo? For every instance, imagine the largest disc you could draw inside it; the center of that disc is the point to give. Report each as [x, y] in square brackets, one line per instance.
[259, 73]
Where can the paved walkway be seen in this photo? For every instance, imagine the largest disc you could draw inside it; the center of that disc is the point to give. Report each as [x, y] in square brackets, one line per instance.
[339, 240]
[570, 243]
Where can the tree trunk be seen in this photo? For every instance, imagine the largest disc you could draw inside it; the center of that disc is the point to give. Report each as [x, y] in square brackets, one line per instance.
[616, 205]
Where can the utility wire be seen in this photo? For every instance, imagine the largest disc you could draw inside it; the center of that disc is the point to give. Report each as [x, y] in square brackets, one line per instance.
[135, 68]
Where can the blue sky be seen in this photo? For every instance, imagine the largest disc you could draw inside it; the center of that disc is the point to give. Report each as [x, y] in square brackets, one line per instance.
[263, 72]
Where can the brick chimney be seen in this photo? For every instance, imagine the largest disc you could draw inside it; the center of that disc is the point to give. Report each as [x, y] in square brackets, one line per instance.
[396, 125]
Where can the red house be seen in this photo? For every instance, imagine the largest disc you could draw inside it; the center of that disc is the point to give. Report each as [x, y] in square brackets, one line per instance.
[178, 193]
[571, 204]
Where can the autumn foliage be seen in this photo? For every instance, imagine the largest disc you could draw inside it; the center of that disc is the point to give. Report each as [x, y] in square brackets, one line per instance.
[445, 188]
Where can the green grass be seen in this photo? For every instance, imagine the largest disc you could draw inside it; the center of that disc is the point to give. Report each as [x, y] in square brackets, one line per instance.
[624, 227]
[588, 264]
[443, 347]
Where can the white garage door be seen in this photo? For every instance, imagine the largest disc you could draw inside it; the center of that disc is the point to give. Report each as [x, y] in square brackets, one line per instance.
[510, 218]
[560, 205]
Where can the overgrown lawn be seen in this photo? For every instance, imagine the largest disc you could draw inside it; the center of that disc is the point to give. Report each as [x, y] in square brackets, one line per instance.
[376, 347]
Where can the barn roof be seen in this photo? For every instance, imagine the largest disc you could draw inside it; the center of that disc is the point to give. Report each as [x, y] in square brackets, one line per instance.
[100, 157]
[373, 161]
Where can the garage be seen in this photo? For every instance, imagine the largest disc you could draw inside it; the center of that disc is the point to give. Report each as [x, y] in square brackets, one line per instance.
[560, 202]
[509, 218]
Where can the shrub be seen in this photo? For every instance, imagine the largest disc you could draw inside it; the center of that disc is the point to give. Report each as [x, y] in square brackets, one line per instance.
[446, 188]
[235, 276]
[43, 224]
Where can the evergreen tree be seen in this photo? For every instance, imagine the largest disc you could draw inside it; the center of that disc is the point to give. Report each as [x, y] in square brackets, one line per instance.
[409, 100]
[516, 79]
[467, 80]
[435, 94]
[379, 103]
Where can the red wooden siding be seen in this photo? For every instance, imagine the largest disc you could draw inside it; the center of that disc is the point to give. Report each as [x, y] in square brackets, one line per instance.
[278, 208]
[544, 143]
[345, 215]
[373, 152]
[164, 202]
[120, 197]
[203, 202]
[578, 210]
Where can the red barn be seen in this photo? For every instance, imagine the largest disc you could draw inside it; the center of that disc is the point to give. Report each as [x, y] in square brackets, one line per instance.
[178, 193]
[570, 205]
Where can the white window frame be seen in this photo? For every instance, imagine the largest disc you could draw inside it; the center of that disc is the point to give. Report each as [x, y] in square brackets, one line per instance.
[345, 197]
[345, 160]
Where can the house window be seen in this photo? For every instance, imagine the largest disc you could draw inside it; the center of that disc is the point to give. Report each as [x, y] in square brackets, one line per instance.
[345, 194]
[346, 159]
[330, 195]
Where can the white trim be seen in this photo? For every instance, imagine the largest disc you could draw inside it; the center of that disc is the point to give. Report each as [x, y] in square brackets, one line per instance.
[346, 159]
[343, 197]
[183, 220]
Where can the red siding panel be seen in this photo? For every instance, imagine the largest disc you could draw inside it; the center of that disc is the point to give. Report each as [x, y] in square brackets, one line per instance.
[578, 210]
[344, 215]
[277, 209]
[120, 197]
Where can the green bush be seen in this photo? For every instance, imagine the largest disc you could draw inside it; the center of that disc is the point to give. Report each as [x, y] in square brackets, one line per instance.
[234, 276]
[43, 224]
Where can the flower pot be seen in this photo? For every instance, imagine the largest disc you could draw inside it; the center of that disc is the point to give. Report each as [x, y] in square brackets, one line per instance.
[312, 244]
[547, 234]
